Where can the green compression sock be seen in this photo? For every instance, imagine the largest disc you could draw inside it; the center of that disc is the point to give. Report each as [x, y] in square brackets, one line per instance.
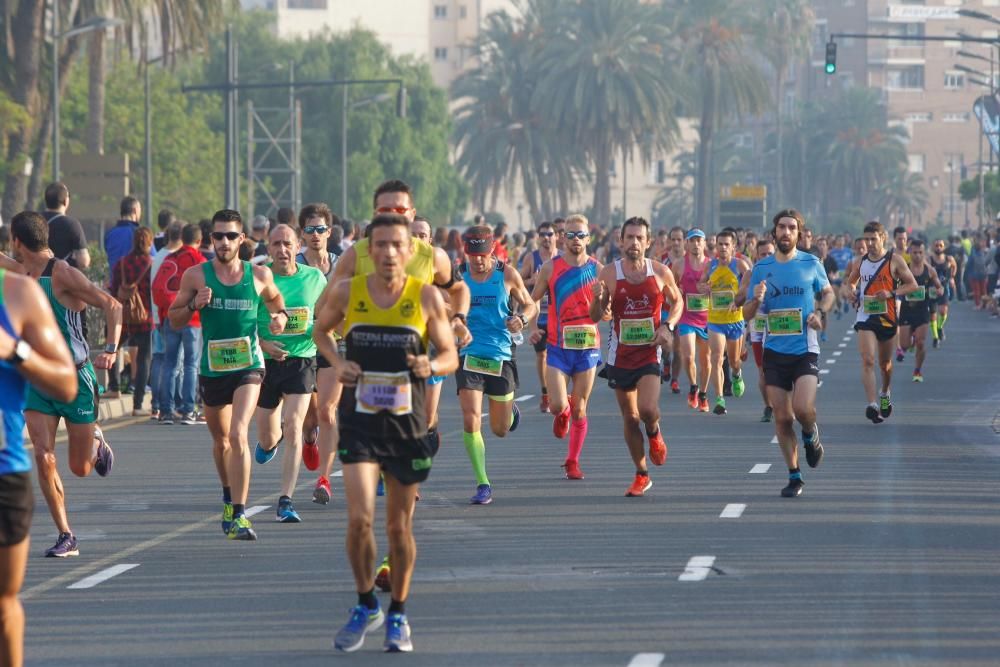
[934, 329]
[476, 449]
[942, 319]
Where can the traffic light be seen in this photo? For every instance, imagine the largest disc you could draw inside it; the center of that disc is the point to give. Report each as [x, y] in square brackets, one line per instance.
[831, 57]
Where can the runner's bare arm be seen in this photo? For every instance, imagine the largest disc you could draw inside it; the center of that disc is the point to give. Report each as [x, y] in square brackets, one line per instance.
[528, 270]
[671, 293]
[11, 265]
[741, 293]
[345, 265]
[602, 290]
[328, 318]
[703, 286]
[519, 293]
[447, 278]
[76, 285]
[440, 335]
[850, 285]
[272, 298]
[541, 282]
[902, 273]
[192, 295]
[753, 301]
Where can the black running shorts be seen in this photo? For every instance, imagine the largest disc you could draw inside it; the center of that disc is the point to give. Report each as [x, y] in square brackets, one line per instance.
[627, 379]
[543, 342]
[492, 385]
[295, 375]
[217, 391]
[879, 327]
[407, 461]
[914, 319]
[782, 370]
[17, 505]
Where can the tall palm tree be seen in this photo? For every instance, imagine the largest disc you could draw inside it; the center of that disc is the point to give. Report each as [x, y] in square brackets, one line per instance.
[902, 197]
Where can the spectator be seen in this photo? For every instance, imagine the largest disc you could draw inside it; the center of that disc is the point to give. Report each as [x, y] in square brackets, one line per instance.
[163, 220]
[956, 250]
[206, 249]
[66, 238]
[500, 244]
[173, 244]
[335, 243]
[118, 239]
[134, 269]
[455, 247]
[349, 235]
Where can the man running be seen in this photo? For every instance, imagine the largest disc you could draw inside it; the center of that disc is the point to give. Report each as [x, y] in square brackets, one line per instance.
[633, 290]
[69, 292]
[30, 351]
[546, 234]
[918, 307]
[673, 255]
[693, 327]
[758, 329]
[289, 363]
[720, 280]
[947, 269]
[573, 341]
[388, 319]
[873, 285]
[486, 365]
[228, 292]
[784, 288]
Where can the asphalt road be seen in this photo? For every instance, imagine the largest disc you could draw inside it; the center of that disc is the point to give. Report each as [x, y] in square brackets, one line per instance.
[890, 557]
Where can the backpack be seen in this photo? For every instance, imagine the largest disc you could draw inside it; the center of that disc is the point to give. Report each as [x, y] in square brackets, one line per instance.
[133, 309]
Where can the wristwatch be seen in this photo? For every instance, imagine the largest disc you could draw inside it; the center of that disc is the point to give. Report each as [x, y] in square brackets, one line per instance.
[111, 348]
[460, 316]
[524, 320]
[22, 352]
[671, 327]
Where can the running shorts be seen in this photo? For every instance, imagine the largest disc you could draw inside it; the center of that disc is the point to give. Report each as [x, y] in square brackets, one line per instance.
[732, 331]
[878, 327]
[435, 379]
[17, 505]
[497, 387]
[914, 319]
[294, 375]
[542, 343]
[782, 370]
[687, 329]
[81, 410]
[627, 379]
[572, 362]
[218, 391]
[408, 461]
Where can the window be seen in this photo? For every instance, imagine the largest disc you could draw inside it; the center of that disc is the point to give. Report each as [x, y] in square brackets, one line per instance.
[956, 117]
[915, 163]
[462, 12]
[905, 78]
[954, 80]
[953, 162]
[659, 172]
[440, 53]
[440, 11]
[307, 4]
[919, 117]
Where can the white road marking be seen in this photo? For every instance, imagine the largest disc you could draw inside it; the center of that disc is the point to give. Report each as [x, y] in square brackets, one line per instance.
[697, 568]
[774, 440]
[733, 511]
[760, 468]
[522, 399]
[256, 509]
[103, 575]
[841, 344]
[824, 371]
[837, 353]
[339, 473]
[647, 660]
[831, 361]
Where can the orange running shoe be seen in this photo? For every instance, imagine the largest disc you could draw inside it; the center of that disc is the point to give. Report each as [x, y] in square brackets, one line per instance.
[560, 424]
[703, 404]
[675, 386]
[693, 399]
[543, 405]
[657, 449]
[640, 485]
[573, 470]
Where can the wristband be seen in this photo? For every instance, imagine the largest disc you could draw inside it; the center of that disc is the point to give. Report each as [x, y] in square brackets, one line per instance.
[460, 317]
[190, 306]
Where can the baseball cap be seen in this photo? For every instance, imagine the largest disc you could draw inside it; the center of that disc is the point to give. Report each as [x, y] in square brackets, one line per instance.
[695, 232]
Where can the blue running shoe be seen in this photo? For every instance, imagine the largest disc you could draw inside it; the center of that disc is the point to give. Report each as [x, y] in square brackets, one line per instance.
[397, 635]
[362, 620]
[105, 457]
[380, 489]
[287, 513]
[64, 547]
[484, 495]
[262, 456]
[515, 419]
[227, 517]
[240, 529]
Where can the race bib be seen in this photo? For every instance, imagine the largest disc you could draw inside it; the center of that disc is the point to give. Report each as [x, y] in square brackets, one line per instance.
[932, 293]
[298, 321]
[229, 354]
[784, 322]
[696, 303]
[384, 392]
[759, 324]
[723, 300]
[636, 332]
[875, 306]
[492, 367]
[579, 337]
[919, 294]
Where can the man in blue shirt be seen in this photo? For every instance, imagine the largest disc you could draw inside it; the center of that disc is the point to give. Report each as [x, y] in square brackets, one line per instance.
[785, 288]
[118, 239]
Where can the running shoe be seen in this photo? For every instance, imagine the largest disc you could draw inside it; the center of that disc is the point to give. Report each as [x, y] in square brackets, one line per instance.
[560, 423]
[693, 399]
[703, 404]
[543, 405]
[935, 343]
[768, 414]
[310, 455]
[382, 576]
[262, 456]
[918, 376]
[572, 470]
[885, 406]
[362, 620]
[64, 547]
[640, 485]
[794, 489]
[814, 448]
[322, 494]
[105, 460]
[871, 412]
[899, 354]
[397, 635]
[166, 419]
[154, 416]
[738, 386]
[675, 387]
[484, 495]
[227, 517]
[241, 529]
[380, 489]
[287, 514]
[515, 419]
[720, 406]
[657, 449]
[190, 419]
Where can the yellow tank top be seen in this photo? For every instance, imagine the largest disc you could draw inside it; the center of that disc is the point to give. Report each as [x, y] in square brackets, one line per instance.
[406, 313]
[420, 266]
[725, 283]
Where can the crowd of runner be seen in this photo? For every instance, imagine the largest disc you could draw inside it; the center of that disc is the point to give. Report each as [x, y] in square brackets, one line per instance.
[335, 341]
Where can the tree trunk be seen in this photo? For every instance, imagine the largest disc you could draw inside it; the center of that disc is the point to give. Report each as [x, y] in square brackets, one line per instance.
[602, 186]
[95, 94]
[706, 132]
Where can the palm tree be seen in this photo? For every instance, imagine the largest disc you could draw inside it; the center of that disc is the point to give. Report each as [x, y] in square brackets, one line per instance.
[902, 197]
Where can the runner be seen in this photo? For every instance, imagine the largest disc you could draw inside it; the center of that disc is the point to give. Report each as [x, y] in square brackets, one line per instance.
[30, 351]
[633, 290]
[918, 307]
[873, 285]
[671, 352]
[289, 363]
[573, 341]
[758, 329]
[486, 365]
[388, 318]
[784, 288]
[546, 234]
[228, 292]
[720, 280]
[68, 292]
[692, 329]
[947, 270]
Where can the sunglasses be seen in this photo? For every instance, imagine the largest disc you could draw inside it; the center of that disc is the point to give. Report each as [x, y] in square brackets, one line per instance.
[546, 234]
[399, 210]
[577, 235]
[232, 236]
[315, 229]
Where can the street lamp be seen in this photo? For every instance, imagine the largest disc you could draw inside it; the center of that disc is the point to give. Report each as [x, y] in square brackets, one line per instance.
[400, 113]
[974, 14]
[90, 25]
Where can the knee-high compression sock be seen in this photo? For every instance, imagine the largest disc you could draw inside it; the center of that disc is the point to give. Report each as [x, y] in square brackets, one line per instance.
[476, 449]
[577, 434]
[942, 319]
[934, 328]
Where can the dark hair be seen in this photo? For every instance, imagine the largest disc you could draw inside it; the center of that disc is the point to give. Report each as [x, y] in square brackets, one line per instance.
[164, 218]
[247, 249]
[317, 210]
[916, 243]
[636, 222]
[545, 225]
[347, 226]
[128, 206]
[142, 240]
[800, 221]
[205, 226]
[393, 185]
[420, 218]
[387, 220]
[558, 220]
[174, 230]
[763, 242]
[898, 230]
[227, 215]
[728, 232]
[285, 216]
[677, 228]
[192, 233]
[56, 194]
[31, 230]
[874, 227]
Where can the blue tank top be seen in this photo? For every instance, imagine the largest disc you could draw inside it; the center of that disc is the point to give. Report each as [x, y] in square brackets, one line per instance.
[13, 395]
[488, 314]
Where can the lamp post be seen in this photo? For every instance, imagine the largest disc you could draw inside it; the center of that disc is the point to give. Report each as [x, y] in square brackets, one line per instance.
[90, 25]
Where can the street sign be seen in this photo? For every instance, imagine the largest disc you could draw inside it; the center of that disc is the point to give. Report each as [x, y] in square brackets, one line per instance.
[743, 205]
[743, 192]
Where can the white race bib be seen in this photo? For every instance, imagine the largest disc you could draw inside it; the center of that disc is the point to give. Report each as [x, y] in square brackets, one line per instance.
[384, 392]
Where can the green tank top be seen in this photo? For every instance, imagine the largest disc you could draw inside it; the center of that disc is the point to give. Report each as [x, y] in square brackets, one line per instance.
[300, 292]
[229, 325]
[70, 321]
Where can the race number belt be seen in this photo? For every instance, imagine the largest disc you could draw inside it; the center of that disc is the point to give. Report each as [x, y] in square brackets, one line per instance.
[919, 294]
[384, 392]
[579, 337]
[784, 322]
[230, 354]
[723, 300]
[875, 306]
[636, 332]
[298, 321]
[696, 303]
[492, 367]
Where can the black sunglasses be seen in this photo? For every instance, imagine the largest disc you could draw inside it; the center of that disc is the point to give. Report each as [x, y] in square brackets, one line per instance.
[546, 234]
[577, 235]
[315, 229]
[232, 236]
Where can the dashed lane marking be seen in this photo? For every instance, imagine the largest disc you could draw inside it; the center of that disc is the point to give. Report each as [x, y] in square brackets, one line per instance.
[733, 511]
[103, 575]
[256, 509]
[522, 399]
[837, 353]
[647, 660]
[831, 361]
[824, 371]
[697, 568]
[760, 468]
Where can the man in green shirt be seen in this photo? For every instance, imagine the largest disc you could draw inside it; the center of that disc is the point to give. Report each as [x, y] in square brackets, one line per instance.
[228, 292]
[289, 363]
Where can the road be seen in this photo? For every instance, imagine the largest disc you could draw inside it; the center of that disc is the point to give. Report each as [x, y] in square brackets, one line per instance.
[890, 557]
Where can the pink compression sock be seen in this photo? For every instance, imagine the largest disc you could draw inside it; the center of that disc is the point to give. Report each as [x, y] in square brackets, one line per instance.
[577, 434]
